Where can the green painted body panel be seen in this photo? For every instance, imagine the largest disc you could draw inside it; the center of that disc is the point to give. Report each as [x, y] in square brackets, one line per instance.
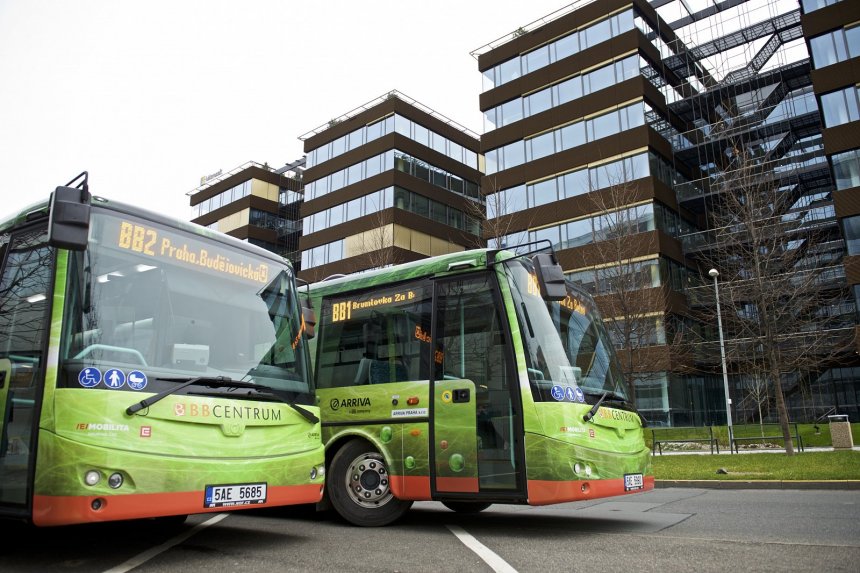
[454, 426]
[62, 463]
[612, 443]
[394, 420]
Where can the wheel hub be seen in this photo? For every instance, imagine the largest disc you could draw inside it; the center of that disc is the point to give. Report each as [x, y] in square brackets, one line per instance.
[367, 481]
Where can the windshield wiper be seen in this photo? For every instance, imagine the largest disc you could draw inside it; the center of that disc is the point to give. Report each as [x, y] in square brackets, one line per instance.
[147, 402]
[258, 395]
[216, 382]
[590, 414]
[615, 398]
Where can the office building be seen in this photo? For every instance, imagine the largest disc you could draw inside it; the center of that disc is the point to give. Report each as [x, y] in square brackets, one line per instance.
[253, 202]
[616, 129]
[389, 182]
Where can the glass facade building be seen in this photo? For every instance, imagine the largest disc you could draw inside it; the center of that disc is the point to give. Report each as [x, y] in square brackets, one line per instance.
[612, 130]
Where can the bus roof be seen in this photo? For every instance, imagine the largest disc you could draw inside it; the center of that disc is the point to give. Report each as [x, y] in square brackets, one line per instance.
[40, 209]
[424, 267]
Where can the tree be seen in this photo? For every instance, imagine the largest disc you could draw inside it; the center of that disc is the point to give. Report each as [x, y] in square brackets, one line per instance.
[496, 217]
[633, 297]
[778, 292]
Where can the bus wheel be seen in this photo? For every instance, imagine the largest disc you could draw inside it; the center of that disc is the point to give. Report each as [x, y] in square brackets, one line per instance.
[466, 506]
[359, 486]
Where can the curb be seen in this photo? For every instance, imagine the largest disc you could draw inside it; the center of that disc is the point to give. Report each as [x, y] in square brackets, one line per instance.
[760, 484]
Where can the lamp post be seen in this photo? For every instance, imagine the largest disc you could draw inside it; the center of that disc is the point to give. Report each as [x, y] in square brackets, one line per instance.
[715, 273]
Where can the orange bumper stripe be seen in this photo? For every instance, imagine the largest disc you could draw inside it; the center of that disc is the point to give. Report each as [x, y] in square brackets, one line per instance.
[66, 510]
[416, 488]
[542, 492]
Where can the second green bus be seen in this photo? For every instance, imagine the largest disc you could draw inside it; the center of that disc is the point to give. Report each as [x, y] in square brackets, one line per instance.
[473, 378]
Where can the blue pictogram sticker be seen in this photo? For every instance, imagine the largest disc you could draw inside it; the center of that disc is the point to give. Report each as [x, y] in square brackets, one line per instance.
[89, 377]
[114, 378]
[569, 394]
[580, 397]
[558, 393]
[136, 380]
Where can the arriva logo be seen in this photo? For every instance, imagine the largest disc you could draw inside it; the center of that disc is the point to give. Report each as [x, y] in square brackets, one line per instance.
[338, 403]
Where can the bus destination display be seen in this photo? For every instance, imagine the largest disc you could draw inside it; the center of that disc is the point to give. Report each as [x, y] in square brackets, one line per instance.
[155, 242]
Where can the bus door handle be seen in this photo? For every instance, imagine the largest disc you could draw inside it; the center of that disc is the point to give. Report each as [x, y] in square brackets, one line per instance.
[460, 396]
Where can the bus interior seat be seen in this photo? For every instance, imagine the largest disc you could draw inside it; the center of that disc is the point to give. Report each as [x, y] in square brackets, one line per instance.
[371, 371]
[190, 347]
[362, 373]
[137, 334]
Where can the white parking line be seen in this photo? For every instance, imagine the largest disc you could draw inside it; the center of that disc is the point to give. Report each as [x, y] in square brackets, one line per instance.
[142, 558]
[495, 562]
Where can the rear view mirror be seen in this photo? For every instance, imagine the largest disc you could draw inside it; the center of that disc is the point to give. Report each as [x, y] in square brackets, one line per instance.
[550, 277]
[69, 218]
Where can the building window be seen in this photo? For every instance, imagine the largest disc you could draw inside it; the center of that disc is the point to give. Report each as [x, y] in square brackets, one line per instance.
[851, 226]
[578, 86]
[813, 5]
[394, 123]
[846, 169]
[836, 46]
[841, 106]
[392, 197]
[567, 137]
[559, 49]
[508, 201]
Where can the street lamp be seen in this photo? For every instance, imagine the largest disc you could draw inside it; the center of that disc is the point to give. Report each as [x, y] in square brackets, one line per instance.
[715, 273]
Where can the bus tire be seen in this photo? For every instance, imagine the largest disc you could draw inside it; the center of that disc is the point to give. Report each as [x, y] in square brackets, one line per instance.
[466, 506]
[359, 487]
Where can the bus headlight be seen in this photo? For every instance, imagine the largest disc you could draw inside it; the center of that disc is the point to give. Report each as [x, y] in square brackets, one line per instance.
[115, 480]
[577, 468]
[313, 473]
[92, 477]
[587, 470]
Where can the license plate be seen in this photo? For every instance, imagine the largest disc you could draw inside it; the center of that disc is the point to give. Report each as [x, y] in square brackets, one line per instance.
[633, 482]
[234, 495]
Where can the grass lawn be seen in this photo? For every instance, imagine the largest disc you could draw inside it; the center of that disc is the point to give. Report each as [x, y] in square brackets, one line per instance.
[841, 465]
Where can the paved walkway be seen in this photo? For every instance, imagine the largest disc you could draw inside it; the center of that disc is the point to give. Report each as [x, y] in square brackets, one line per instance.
[760, 484]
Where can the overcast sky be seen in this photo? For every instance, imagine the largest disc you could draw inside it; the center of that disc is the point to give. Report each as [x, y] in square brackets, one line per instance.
[149, 96]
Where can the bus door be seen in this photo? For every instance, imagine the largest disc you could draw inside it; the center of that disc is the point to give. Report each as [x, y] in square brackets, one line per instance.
[25, 293]
[477, 436]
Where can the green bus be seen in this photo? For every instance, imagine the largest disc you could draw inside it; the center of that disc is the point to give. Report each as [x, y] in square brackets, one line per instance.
[149, 368]
[472, 378]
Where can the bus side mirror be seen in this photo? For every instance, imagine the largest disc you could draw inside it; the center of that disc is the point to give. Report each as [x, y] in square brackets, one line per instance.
[550, 277]
[309, 318]
[69, 218]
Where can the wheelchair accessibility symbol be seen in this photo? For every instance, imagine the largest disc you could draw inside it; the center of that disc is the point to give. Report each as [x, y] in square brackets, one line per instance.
[89, 377]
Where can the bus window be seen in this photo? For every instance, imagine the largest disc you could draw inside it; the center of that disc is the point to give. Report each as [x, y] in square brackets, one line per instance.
[167, 315]
[24, 295]
[374, 337]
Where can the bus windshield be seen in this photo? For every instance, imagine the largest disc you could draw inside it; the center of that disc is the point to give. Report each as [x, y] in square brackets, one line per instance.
[160, 302]
[566, 344]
